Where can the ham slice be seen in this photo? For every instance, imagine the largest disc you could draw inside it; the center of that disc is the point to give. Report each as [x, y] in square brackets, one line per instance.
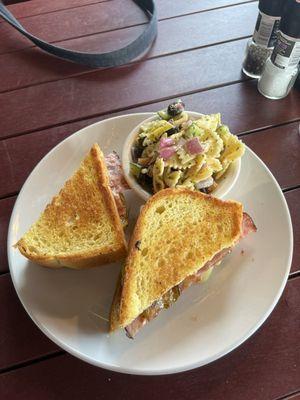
[117, 182]
[152, 311]
[196, 278]
[248, 225]
[116, 176]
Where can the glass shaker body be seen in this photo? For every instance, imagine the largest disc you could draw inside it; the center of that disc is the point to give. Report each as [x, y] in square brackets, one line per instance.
[281, 68]
[255, 59]
[260, 46]
[276, 83]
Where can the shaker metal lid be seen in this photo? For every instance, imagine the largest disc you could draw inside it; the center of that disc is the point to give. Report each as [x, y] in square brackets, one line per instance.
[290, 21]
[271, 7]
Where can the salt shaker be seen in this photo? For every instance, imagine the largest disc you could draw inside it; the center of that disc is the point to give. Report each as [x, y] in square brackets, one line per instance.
[260, 46]
[281, 68]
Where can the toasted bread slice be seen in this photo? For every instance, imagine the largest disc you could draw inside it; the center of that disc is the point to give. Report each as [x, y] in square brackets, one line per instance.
[81, 226]
[177, 232]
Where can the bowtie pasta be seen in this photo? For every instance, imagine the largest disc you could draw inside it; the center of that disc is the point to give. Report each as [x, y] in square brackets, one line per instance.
[177, 151]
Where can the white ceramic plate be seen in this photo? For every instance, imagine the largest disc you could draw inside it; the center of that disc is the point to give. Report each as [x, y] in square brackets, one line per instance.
[207, 321]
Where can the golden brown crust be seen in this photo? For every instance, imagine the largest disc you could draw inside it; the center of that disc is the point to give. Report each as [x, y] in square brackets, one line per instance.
[77, 196]
[115, 307]
[76, 260]
[103, 181]
[128, 302]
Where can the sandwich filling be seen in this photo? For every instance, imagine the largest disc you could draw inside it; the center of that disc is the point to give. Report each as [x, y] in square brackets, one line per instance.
[173, 294]
[117, 183]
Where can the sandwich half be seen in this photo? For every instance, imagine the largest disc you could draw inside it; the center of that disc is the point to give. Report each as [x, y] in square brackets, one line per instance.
[83, 225]
[179, 236]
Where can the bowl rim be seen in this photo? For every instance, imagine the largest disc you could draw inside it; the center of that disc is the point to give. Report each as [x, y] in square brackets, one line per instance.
[234, 167]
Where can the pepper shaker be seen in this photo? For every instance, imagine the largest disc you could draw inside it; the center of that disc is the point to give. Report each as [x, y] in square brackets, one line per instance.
[260, 46]
[281, 69]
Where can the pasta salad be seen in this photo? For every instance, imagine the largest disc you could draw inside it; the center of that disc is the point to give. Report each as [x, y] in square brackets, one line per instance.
[177, 151]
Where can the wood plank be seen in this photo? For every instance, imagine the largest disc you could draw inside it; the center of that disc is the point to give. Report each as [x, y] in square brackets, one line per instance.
[74, 22]
[195, 28]
[124, 87]
[279, 148]
[91, 19]
[21, 340]
[295, 396]
[6, 206]
[8, 2]
[167, 8]
[172, 8]
[36, 7]
[249, 372]
[293, 200]
[19, 155]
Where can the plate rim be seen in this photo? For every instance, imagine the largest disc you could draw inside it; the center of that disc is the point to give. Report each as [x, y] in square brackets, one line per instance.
[149, 372]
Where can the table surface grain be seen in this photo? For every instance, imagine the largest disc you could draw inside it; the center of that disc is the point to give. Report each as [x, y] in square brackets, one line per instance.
[197, 56]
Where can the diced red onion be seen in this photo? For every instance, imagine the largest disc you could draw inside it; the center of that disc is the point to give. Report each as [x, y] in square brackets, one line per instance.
[193, 146]
[165, 142]
[167, 152]
[204, 184]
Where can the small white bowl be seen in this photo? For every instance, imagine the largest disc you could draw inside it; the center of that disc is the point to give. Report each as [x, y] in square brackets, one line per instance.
[225, 184]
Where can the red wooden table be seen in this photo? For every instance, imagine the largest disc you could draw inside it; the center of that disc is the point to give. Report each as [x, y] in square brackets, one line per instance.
[197, 56]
